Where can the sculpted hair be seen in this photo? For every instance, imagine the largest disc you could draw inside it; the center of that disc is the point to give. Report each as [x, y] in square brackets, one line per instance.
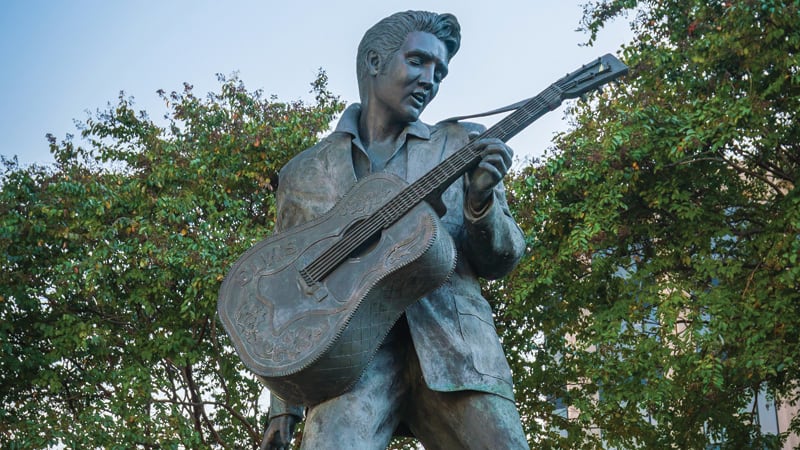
[388, 35]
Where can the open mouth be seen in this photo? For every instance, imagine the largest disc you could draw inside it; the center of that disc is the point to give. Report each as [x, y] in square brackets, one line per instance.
[419, 97]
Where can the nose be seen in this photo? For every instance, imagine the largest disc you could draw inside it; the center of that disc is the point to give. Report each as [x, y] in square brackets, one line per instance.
[427, 77]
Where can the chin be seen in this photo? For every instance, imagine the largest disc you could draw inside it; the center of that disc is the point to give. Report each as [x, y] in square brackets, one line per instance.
[413, 115]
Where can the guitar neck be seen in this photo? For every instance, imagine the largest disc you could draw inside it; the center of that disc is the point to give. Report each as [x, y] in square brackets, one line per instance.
[432, 183]
[460, 162]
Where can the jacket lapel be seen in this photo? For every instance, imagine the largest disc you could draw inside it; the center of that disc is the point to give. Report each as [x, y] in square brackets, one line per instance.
[423, 155]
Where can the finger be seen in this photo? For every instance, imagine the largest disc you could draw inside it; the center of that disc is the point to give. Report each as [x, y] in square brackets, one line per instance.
[507, 154]
[495, 158]
[498, 162]
[267, 442]
[491, 141]
[485, 177]
[499, 149]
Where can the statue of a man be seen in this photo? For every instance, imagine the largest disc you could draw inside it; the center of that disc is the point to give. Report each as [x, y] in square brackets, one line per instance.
[441, 374]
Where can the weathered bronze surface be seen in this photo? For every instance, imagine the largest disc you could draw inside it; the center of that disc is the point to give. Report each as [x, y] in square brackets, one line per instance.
[365, 307]
[440, 373]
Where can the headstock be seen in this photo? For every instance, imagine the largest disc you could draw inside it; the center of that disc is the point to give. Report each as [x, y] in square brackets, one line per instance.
[591, 76]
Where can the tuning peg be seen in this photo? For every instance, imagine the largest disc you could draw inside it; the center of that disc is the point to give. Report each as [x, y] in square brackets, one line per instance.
[584, 97]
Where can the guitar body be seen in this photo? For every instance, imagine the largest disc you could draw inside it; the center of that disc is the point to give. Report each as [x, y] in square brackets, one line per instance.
[311, 342]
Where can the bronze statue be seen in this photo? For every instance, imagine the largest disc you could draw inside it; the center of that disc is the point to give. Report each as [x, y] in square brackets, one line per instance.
[365, 307]
[440, 372]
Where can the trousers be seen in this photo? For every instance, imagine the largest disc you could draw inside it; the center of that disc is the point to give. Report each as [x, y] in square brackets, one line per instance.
[392, 395]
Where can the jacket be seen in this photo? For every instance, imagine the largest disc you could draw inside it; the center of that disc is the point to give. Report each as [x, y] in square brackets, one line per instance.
[452, 328]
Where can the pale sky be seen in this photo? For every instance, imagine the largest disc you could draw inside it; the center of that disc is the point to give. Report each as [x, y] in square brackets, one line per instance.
[61, 59]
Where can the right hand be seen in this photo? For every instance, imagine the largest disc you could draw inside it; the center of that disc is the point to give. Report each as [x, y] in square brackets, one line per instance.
[278, 435]
[496, 159]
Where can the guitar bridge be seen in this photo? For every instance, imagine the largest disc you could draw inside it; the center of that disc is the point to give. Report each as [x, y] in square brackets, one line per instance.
[312, 288]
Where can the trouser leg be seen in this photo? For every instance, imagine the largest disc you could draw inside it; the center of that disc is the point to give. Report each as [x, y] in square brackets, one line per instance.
[365, 417]
[467, 420]
[392, 390]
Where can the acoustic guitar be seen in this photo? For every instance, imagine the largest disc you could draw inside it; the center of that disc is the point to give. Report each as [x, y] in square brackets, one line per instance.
[306, 309]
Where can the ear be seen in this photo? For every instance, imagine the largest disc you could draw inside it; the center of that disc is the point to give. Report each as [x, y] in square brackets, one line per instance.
[373, 62]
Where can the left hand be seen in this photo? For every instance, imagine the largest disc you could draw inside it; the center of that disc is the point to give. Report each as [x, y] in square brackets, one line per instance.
[496, 159]
[279, 432]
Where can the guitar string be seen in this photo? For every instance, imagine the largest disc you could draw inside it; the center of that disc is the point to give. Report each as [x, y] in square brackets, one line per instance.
[409, 197]
[413, 194]
[380, 219]
[416, 192]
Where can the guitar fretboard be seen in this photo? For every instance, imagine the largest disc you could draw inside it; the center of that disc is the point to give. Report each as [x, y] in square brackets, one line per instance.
[435, 180]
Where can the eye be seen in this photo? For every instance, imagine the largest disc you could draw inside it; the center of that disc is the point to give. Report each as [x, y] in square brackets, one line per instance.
[415, 60]
[440, 73]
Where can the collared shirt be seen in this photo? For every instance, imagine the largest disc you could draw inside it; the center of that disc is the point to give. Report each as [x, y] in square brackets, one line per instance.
[362, 163]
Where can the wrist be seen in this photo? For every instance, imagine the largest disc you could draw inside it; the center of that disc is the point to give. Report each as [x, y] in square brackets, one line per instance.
[478, 204]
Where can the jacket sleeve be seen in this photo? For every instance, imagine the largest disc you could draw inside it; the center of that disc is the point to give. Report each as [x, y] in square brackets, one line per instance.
[278, 407]
[289, 213]
[296, 204]
[494, 242]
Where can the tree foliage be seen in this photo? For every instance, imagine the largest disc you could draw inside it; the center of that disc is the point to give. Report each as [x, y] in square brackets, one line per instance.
[658, 297]
[660, 294]
[111, 261]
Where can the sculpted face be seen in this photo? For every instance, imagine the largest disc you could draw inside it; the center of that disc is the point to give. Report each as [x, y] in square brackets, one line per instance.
[409, 80]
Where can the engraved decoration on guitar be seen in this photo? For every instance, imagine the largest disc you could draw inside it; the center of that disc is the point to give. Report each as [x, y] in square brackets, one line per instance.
[361, 205]
[250, 320]
[403, 250]
[271, 257]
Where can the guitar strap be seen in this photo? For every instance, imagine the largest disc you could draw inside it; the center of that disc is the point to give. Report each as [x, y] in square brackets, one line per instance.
[511, 107]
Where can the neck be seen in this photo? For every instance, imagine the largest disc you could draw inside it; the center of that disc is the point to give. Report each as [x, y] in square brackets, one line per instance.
[376, 128]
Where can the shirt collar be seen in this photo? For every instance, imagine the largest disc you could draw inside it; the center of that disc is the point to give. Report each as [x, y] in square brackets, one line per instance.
[348, 123]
